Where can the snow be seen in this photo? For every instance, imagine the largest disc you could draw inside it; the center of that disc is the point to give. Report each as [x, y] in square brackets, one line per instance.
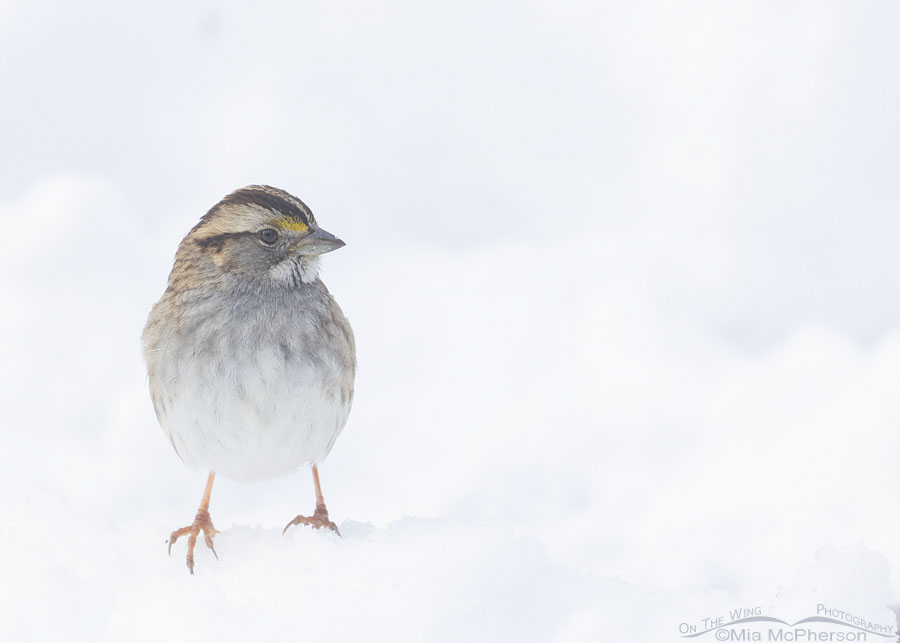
[623, 280]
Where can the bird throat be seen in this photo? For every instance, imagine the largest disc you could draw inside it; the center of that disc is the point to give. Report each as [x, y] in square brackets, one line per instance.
[296, 270]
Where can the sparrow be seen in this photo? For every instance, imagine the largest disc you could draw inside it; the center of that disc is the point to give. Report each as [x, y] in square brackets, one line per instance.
[251, 362]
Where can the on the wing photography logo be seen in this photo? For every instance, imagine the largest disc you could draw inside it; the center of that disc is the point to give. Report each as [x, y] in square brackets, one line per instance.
[750, 624]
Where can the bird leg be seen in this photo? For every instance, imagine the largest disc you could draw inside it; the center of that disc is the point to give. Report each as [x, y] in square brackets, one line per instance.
[202, 523]
[320, 517]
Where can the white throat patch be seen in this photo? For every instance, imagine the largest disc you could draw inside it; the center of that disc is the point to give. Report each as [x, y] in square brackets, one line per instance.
[296, 269]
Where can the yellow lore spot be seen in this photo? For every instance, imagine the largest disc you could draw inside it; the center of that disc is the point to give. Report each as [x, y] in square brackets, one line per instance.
[291, 224]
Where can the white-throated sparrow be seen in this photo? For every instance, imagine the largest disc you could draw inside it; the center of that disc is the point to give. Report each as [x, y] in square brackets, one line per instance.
[250, 359]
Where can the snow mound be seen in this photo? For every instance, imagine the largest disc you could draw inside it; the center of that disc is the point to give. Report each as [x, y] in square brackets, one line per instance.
[73, 576]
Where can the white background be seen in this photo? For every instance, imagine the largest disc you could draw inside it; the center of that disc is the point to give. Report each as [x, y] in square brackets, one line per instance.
[624, 283]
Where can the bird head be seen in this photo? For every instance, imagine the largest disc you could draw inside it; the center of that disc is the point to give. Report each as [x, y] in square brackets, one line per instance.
[261, 232]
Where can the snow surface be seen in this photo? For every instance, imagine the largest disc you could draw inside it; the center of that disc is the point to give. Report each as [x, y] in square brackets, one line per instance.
[623, 279]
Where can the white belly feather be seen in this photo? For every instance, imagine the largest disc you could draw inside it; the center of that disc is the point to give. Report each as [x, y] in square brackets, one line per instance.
[247, 404]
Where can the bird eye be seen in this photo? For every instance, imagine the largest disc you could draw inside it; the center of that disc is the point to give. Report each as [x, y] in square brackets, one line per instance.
[268, 236]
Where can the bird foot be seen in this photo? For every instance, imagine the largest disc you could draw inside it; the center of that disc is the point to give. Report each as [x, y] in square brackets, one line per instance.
[318, 520]
[202, 523]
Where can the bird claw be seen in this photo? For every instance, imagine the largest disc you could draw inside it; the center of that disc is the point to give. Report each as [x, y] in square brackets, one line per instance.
[202, 523]
[318, 520]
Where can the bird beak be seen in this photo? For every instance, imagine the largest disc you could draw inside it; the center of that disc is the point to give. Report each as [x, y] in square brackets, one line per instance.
[317, 242]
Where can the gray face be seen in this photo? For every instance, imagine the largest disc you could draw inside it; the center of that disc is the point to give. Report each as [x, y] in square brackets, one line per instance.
[247, 252]
[261, 232]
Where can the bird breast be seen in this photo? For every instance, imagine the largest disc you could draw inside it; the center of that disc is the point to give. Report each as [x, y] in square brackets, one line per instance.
[251, 385]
